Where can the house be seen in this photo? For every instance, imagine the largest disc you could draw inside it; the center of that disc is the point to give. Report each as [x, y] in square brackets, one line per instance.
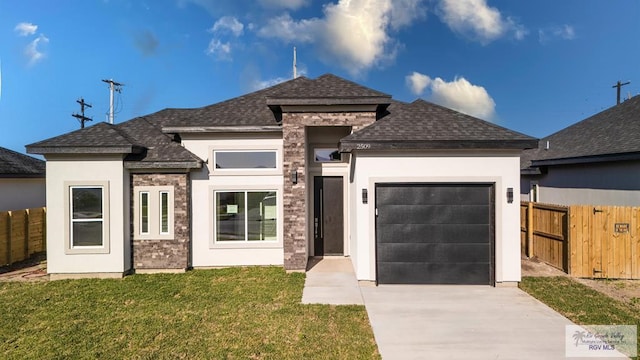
[412, 193]
[593, 162]
[22, 181]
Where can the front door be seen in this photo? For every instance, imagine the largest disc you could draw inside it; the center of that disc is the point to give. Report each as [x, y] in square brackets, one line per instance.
[328, 217]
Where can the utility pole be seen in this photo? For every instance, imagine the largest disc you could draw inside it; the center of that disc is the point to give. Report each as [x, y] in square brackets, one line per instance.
[295, 64]
[618, 85]
[113, 86]
[81, 116]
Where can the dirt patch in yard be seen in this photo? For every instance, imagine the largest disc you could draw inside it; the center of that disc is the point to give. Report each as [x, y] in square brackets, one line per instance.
[627, 291]
[33, 269]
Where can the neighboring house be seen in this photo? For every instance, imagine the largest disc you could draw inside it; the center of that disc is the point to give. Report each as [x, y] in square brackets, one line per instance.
[22, 181]
[412, 193]
[593, 162]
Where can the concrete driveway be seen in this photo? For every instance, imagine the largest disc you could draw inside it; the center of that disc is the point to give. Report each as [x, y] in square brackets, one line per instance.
[462, 322]
[443, 321]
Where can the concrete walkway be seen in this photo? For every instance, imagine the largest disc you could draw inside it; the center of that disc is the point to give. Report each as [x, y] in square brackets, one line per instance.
[331, 280]
[443, 321]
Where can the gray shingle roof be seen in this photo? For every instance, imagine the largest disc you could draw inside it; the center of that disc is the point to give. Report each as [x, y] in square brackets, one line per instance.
[327, 89]
[611, 134]
[101, 138]
[423, 125]
[16, 165]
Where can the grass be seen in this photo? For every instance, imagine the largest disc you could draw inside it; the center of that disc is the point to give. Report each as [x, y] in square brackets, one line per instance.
[579, 303]
[235, 313]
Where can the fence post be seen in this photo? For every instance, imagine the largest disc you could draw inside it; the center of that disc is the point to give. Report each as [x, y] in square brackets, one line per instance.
[9, 236]
[26, 234]
[44, 229]
[530, 253]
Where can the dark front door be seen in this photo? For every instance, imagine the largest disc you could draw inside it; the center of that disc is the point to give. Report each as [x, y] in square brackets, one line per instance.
[434, 233]
[328, 219]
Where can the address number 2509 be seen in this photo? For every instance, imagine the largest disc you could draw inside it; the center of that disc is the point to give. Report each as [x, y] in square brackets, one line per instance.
[363, 146]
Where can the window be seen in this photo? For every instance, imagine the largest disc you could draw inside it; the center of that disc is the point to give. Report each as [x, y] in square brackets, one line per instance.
[245, 159]
[87, 216]
[153, 206]
[245, 216]
[164, 212]
[327, 155]
[86, 213]
[144, 212]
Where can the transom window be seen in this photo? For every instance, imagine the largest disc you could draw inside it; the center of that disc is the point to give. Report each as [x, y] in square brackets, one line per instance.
[245, 216]
[324, 155]
[245, 159]
[87, 216]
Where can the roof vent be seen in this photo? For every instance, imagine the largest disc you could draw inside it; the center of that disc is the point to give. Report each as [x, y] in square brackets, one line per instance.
[547, 146]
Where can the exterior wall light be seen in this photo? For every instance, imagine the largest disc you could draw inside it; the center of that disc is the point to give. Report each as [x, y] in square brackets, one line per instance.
[294, 176]
[510, 195]
[365, 196]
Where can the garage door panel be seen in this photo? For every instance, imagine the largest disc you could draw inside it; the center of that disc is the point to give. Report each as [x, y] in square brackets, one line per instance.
[434, 253]
[433, 195]
[433, 233]
[433, 214]
[421, 273]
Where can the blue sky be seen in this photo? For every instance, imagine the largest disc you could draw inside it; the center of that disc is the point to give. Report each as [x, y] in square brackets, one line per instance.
[532, 66]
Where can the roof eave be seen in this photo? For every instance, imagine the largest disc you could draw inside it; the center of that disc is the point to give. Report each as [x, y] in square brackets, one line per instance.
[220, 129]
[365, 100]
[363, 145]
[154, 165]
[80, 150]
[587, 159]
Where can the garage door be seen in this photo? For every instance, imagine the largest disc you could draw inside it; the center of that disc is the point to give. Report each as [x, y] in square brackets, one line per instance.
[434, 233]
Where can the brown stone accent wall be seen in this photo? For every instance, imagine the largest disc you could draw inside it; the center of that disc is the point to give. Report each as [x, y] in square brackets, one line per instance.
[294, 138]
[165, 254]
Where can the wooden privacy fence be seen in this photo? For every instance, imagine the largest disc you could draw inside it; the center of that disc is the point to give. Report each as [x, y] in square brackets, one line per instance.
[22, 234]
[583, 240]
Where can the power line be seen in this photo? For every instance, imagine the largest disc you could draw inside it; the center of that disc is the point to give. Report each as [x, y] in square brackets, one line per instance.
[81, 116]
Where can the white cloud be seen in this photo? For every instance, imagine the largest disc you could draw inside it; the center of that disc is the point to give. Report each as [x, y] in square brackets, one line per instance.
[285, 28]
[25, 29]
[219, 50]
[355, 34]
[417, 82]
[228, 24]
[33, 52]
[284, 4]
[478, 21]
[564, 32]
[458, 94]
[261, 84]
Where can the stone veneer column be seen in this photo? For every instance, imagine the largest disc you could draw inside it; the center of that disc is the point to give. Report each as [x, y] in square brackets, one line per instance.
[295, 196]
[165, 254]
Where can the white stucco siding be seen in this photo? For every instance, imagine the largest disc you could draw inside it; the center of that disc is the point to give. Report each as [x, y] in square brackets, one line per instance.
[19, 194]
[60, 172]
[500, 168]
[206, 253]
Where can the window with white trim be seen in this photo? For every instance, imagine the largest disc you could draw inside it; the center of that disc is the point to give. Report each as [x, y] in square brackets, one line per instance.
[245, 159]
[153, 212]
[87, 216]
[245, 216]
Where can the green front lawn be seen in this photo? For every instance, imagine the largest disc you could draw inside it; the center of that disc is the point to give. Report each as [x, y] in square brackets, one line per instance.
[580, 303]
[236, 313]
